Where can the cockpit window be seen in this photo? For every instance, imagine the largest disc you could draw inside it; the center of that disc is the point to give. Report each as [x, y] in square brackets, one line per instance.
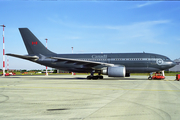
[166, 59]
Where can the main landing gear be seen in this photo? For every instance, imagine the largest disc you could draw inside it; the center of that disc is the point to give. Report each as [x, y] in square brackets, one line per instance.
[150, 76]
[94, 77]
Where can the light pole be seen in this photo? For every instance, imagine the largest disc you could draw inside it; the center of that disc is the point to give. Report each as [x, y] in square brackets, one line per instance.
[72, 49]
[3, 52]
[46, 66]
[46, 42]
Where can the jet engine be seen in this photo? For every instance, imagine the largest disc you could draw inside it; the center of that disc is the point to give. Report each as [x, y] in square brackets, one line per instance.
[116, 71]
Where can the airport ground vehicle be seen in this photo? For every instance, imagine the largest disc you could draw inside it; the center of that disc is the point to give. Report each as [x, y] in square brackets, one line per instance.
[177, 77]
[157, 76]
[9, 74]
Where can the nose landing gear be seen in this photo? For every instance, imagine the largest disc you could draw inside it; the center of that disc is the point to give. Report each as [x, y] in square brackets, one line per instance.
[150, 76]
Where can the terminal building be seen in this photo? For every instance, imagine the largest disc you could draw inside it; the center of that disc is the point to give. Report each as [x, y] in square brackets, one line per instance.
[177, 67]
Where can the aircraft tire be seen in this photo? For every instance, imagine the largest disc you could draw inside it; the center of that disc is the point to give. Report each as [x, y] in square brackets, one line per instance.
[89, 77]
[149, 78]
[100, 77]
[95, 77]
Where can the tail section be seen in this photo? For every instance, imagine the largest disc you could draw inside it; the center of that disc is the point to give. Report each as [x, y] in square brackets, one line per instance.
[33, 45]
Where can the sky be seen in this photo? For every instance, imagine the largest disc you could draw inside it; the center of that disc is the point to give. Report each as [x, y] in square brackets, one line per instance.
[91, 27]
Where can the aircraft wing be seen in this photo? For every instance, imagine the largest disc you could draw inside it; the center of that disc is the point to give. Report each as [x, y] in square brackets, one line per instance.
[82, 62]
[27, 57]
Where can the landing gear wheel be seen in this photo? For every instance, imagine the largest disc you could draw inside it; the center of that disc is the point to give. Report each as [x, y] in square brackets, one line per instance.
[95, 77]
[100, 77]
[149, 78]
[89, 77]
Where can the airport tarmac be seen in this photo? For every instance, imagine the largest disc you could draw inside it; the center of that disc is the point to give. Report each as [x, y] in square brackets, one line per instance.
[66, 97]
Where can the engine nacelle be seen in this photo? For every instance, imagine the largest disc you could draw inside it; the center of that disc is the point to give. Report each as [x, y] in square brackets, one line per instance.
[117, 71]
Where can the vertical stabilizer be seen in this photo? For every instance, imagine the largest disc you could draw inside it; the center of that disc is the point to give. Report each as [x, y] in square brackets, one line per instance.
[33, 45]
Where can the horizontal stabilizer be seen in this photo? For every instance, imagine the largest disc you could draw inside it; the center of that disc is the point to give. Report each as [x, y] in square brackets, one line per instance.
[27, 57]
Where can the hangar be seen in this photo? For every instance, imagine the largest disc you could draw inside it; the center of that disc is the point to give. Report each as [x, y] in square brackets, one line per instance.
[177, 67]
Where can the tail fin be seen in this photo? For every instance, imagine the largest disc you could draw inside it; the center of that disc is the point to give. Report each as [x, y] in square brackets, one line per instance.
[33, 45]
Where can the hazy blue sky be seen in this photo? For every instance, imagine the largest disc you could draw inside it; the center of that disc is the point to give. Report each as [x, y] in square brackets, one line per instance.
[92, 27]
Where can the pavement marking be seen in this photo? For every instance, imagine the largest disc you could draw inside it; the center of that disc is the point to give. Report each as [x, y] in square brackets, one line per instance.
[28, 87]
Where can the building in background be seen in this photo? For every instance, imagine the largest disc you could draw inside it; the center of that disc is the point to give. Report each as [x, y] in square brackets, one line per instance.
[177, 67]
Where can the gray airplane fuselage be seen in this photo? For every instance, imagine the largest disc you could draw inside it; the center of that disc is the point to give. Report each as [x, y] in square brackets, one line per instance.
[134, 62]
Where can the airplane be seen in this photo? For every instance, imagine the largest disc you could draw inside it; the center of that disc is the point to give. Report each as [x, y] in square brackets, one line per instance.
[111, 64]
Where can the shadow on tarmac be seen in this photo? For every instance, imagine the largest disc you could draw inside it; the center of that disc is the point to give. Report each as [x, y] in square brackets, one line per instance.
[57, 109]
[78, 78]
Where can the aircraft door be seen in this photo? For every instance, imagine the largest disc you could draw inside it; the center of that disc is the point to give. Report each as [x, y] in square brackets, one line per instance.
[108, 60]
[152, 60]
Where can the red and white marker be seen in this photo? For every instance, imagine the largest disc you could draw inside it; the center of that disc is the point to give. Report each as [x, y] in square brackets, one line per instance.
[7, 64]
[46, 66]
[3, 52]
